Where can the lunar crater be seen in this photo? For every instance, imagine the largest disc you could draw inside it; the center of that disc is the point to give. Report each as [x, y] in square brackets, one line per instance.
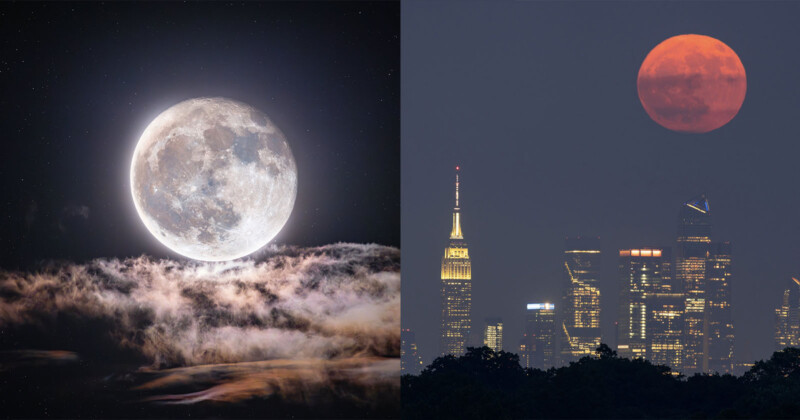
[213, 179]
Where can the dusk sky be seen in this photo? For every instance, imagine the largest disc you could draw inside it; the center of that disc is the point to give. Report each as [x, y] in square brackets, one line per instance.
[537, 101]
[81, 81]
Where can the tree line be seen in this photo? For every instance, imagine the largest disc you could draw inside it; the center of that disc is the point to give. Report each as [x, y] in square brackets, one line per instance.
[484, 384]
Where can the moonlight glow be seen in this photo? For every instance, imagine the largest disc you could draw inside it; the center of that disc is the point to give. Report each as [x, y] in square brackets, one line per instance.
[213, 179]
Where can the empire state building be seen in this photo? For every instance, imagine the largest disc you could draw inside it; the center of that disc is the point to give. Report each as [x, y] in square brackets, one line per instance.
[456, 288]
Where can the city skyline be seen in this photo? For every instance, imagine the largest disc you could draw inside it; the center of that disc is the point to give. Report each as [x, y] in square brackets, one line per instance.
[553, 141]
[701, 271]
[657, 293]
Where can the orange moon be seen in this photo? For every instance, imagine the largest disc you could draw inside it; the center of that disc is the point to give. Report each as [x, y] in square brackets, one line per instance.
[692, 83]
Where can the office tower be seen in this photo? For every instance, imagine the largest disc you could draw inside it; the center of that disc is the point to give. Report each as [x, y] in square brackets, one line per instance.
[540, 335]
[648, 275]
[650, 323]
[640, 273]
[787, 318]
[718, 330]
[694, 239]
[579, 328]
[456, 288]
[665, 330]
[410, 358]
[493, 334]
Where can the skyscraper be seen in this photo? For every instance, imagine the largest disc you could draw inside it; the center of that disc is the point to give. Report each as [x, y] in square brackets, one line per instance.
[640, 280]
[718, 330]
[410, 358]
[650, 320]
[787, 318]
[694, 239]
[579, 327]
[540, 336]
[665, 329]
[456, 288]
[493, 334]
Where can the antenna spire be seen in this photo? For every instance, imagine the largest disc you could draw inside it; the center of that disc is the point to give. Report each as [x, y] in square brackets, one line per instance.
[457, 169]
[456, 232]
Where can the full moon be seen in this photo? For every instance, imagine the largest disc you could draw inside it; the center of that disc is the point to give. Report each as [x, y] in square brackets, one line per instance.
[213, 179]
[692, 83]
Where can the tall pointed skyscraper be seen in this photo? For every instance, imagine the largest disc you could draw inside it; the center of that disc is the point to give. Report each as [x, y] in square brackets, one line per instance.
[694, 243]
[456, 288]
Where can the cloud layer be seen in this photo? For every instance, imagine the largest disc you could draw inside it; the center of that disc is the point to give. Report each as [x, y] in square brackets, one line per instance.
[332, 302]
[368, 379]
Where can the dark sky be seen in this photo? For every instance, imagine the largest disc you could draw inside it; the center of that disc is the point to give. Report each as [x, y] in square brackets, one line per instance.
[80, 82]
[537, 102]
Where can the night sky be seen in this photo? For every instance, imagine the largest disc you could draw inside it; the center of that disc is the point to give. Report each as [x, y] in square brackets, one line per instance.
[537, 102]
[80, 82]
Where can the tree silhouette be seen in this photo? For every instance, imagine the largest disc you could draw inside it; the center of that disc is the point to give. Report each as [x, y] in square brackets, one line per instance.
[481, 381]
[487, 384]
[605, 352]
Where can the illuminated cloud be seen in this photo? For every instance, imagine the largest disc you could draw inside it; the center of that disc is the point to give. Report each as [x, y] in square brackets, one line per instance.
[369, 379]
[332, 302]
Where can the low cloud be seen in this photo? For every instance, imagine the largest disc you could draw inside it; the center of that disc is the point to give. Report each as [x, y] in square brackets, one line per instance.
[16, 358]
[369, 379]
[332, 302]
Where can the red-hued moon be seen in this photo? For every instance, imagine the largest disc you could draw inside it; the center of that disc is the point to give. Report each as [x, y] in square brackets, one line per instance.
[692, 83]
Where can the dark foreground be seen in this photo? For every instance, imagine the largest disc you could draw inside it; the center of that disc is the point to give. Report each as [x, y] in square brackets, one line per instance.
[483, 384]
[58, 384]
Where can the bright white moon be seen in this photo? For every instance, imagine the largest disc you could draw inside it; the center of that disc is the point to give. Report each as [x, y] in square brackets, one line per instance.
[213, 179]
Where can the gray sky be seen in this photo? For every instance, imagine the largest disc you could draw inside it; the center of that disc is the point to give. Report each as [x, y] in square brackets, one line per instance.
[537, 102]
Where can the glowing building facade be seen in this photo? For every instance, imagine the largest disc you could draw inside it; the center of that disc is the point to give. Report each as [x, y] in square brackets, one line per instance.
[579, 328]
[410, 358]
[718, 332]
[456, 288]
[537, 347]
[493, 334]
[640, 279]
[650, 323]
[665, 329]
[694, 240]
[665, 318]
[787, 318]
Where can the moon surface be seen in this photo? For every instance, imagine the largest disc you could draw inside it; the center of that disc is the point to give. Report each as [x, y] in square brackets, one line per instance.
[213, 179]
[692, 83]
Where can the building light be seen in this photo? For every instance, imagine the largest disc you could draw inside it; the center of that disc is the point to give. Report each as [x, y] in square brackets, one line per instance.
[537, 306]
[647, 252]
